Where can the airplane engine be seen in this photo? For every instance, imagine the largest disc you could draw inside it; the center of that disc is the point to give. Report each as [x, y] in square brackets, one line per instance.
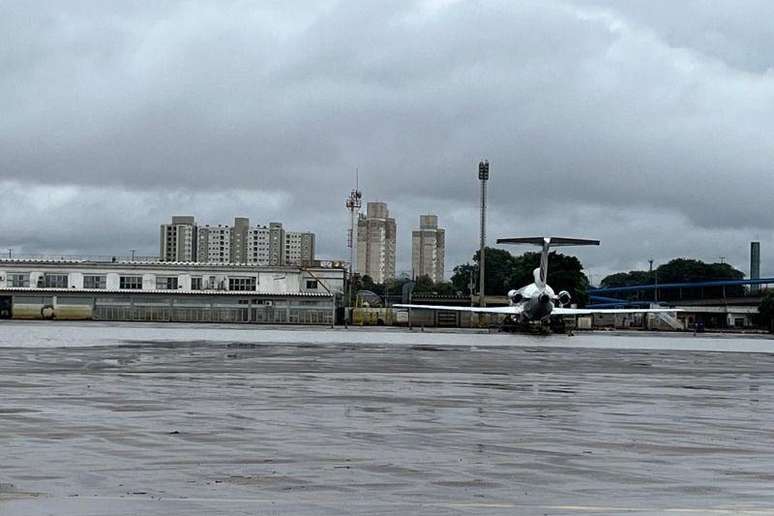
[564, 297]
[515, 297]
[544, 299]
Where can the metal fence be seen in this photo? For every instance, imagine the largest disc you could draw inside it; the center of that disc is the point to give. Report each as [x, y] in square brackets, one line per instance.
[248, 315]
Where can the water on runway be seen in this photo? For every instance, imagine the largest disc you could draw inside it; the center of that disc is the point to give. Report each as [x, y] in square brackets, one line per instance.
[157, 419]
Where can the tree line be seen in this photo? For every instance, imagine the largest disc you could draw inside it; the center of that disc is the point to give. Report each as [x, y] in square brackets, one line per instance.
[679, 270]
[505, 271]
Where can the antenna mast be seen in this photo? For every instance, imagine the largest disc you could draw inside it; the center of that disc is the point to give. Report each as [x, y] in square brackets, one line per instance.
[354, 203]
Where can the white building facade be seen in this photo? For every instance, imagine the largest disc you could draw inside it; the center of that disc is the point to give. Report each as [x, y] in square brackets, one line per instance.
[178, 240]
[35, 289]
[428, 249]
[299, 247]
[213, 244]
[376, 243]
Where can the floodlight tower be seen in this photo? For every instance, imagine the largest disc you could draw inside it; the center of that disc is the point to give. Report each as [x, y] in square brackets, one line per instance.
[483, 177]
[354, 203]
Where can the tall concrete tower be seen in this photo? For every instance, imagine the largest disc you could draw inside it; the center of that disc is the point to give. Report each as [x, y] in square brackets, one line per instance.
[376, 243]
[238, 250]
[755, 265]
[428, 249]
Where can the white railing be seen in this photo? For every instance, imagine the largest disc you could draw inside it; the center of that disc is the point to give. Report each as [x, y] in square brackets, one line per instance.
[670, 320]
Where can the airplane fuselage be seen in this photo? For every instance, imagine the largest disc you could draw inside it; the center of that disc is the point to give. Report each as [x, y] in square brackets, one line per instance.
[537, 303]
[536, 300]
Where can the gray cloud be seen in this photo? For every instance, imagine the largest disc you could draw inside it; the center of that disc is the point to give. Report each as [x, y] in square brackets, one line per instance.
[650, 132]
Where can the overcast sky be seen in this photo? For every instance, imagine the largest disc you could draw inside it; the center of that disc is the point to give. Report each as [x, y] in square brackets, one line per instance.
[648, 125]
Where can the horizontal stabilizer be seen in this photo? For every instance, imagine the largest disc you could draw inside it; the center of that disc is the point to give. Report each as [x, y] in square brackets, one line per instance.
[508, 310]
[590, 311]
[551, 241]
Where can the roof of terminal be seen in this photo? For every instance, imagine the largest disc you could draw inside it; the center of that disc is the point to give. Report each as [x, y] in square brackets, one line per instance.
[162, 292]
[324, 265]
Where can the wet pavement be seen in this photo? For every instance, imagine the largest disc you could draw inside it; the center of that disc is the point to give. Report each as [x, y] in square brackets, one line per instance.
[190, 420]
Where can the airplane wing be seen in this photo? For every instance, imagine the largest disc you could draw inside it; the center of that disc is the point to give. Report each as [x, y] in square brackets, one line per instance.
[589, 311]
[550, 241]
[509, 310]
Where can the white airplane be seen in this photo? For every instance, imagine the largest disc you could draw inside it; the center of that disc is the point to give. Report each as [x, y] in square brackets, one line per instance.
[537, 302]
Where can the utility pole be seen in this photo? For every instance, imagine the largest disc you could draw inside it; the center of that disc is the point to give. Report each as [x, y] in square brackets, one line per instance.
[483, 177]
[386, 293]
[650, 272]
[471, 286]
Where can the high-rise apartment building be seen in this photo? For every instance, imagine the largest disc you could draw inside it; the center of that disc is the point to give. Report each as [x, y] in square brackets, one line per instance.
[428, 249]
[238, 251]
[213, 244]
[276, 244]
[299, 247]
[258, 245]
[376, 243]
[240, 243]
[178, 240]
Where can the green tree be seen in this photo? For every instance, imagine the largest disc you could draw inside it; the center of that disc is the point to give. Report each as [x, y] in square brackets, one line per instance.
[396, 284]
[499, 269]
[368, 283]
[445, 288]
[461, 277]
[627, 279]
[423, 284]
[679, 270]
[690, 270]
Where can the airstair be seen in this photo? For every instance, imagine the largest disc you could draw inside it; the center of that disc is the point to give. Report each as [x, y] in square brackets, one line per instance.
[665, 320]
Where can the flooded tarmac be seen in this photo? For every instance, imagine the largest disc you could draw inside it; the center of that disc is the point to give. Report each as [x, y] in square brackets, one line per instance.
[161, 419]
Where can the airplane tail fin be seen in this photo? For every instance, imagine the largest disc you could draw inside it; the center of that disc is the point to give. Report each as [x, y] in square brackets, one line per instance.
[546, 243]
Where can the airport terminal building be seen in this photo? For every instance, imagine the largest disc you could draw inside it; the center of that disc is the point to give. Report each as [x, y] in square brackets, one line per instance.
[170, 291]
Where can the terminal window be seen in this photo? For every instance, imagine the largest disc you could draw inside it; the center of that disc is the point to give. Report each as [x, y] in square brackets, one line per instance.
[241, 283]
[166, 282]
[95, 281]
[196, 283]
[55, 280]
[311, 284]
[130, 282]
[19, 280]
